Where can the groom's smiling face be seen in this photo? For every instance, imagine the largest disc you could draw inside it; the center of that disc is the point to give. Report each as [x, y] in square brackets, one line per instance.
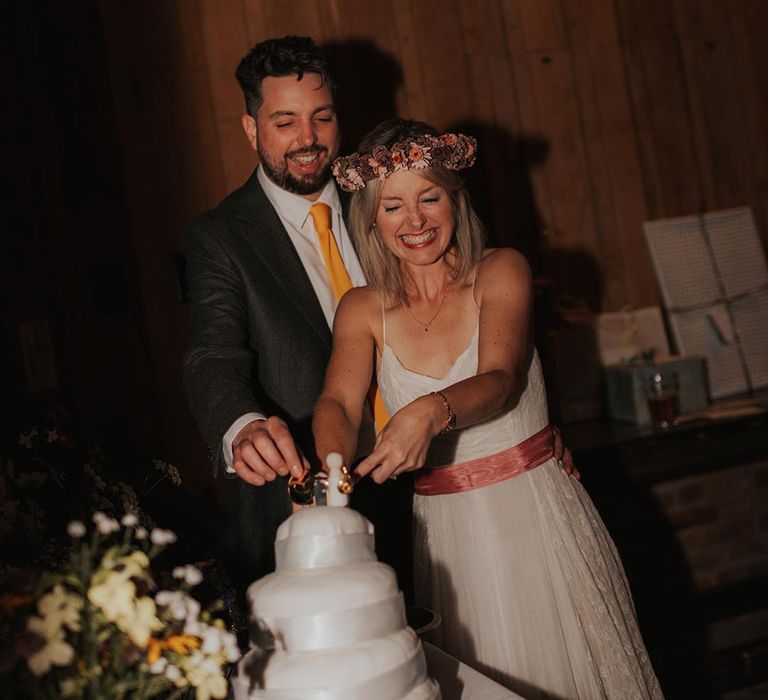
[296, 133]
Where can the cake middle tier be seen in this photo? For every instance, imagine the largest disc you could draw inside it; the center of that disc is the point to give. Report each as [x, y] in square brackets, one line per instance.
[326, 608]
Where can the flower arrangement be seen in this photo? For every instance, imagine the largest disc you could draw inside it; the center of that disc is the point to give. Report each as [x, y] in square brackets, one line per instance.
[102, 627]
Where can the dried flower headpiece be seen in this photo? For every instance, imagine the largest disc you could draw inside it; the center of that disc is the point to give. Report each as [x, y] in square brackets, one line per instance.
[452, 151]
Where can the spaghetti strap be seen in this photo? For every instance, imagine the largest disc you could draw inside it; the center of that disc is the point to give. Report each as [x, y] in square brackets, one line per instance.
[474, 282]
[383, 322]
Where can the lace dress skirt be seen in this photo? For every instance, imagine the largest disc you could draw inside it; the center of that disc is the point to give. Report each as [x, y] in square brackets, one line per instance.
[530, 589]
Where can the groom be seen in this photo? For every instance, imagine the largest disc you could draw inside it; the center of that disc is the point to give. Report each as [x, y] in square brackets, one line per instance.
[262, 299]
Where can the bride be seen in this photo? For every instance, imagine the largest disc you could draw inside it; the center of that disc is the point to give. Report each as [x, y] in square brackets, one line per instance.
[509, 549]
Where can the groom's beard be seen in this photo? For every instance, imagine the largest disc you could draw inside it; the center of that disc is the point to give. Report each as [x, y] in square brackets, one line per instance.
[277, 170]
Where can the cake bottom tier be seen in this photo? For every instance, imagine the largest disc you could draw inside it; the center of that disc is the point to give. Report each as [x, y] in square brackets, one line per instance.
[389, 668]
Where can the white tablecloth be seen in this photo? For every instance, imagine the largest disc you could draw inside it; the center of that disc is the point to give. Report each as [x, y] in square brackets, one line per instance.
[460, 682]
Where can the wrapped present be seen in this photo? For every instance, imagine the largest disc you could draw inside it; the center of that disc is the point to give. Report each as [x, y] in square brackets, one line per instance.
[627, 386]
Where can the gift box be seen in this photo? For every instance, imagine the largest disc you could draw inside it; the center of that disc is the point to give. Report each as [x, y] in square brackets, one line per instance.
[627, 386]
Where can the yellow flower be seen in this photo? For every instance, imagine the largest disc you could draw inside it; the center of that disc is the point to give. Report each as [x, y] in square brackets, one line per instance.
[182, 643]
[54, 652]
[154, 650]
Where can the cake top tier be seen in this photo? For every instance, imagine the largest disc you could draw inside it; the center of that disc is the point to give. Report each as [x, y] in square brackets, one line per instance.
[323, 536]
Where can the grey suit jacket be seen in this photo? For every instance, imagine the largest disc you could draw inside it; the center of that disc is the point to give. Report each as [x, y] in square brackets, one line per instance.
[257, 341]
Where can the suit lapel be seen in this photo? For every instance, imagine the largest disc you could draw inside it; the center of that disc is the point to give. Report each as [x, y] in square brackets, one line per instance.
[270, 241]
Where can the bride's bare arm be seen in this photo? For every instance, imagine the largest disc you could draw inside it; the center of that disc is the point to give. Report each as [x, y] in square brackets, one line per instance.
[339, 409]
[504, 293]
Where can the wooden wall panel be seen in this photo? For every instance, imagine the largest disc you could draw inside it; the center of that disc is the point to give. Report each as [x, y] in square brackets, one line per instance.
[662, 114]
[573, 226]
[302, 17]
[750, 72]
[593, 116]
[614, 164]
[542, 24]
[716, 106]
[225, 40]
[448, 88]
[415, 98]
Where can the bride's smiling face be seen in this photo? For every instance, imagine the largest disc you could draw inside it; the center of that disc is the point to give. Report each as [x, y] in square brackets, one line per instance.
[415, 218]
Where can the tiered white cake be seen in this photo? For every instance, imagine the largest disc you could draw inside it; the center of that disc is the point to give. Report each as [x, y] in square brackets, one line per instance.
[336, 617]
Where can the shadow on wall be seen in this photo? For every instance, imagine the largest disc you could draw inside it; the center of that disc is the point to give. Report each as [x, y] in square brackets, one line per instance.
[501, 188]
[368, 83]
[568, 300]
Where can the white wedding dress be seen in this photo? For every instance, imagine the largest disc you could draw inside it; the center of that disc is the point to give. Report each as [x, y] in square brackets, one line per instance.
[524, 575]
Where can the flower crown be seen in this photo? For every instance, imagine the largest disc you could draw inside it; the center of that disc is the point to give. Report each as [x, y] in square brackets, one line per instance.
[452, 151]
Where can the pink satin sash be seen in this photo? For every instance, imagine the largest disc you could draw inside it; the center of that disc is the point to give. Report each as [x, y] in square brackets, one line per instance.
[485, 471]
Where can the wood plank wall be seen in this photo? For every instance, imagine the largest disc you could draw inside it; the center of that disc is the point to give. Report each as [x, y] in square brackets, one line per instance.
[593, 116]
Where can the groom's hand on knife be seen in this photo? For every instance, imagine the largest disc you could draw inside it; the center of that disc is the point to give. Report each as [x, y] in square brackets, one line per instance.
[264, 450]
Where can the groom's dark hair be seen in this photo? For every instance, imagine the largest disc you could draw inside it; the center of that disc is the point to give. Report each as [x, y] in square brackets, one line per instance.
[278, 58]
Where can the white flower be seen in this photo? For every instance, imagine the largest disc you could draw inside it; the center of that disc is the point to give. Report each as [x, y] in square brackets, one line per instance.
[162, 537]
[231, 648]
[164, 597]
[134, 564]
[194, 627]
[54, 652]
[59, 607]
[208, 681]
[190, 574]
[217, 640]
[115, 596]
[106, 526]
[141, 622]
[141, 533]
[180, 605]
[75, 529]
[194, 660]
[159, 666]
[52, 435]
[172, 673]
[130, 520]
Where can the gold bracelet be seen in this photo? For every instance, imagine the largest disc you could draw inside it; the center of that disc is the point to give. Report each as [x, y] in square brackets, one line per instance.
[450, 422]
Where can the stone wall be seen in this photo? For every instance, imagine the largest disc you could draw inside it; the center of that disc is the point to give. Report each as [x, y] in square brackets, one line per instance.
[720, 520]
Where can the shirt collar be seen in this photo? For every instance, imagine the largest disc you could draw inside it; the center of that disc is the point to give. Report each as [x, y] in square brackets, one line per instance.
[293, 208]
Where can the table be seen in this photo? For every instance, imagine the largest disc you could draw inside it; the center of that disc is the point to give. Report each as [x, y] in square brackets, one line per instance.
[460, 682]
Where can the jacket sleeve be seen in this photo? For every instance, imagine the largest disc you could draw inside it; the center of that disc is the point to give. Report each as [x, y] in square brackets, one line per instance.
[219, 363]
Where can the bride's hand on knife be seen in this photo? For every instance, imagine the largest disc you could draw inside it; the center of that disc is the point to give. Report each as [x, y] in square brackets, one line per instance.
[403, 443]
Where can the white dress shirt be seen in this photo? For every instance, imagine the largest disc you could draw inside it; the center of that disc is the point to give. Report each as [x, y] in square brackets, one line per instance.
[293, 211]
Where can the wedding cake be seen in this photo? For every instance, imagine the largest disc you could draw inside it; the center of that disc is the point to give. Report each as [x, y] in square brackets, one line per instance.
[332, 617]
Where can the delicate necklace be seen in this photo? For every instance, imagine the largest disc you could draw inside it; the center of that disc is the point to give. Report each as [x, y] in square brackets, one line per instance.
[426, 325]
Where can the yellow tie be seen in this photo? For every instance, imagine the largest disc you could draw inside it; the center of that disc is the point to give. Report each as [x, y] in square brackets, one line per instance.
[340, 283]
